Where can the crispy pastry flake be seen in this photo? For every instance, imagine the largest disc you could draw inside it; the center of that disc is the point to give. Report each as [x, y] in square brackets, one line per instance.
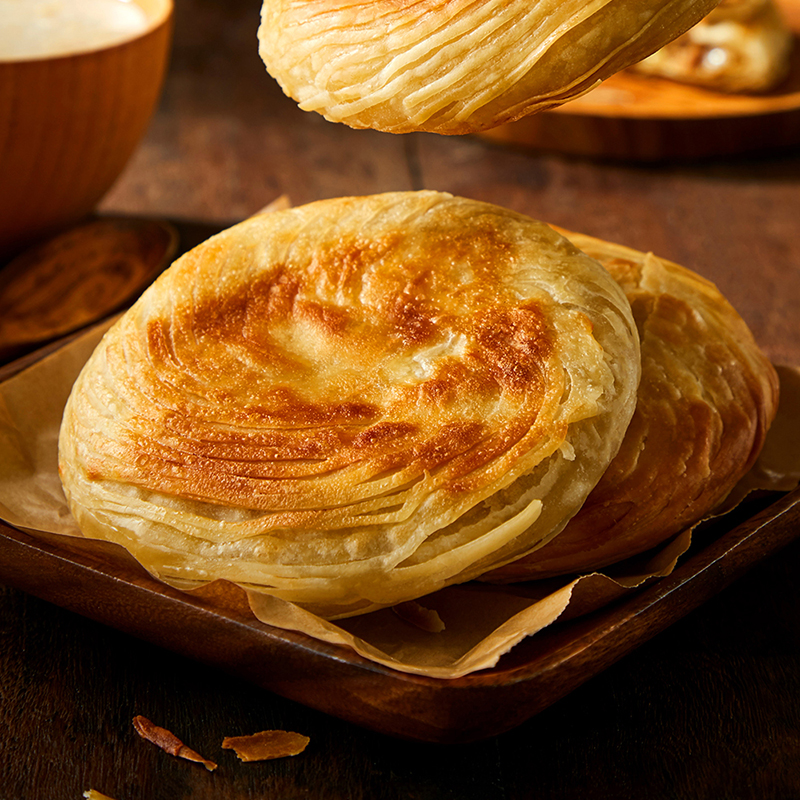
[266, 745]
[425, 619]
[169, 742]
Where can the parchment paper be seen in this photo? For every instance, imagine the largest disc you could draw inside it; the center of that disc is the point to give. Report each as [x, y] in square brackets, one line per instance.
[481, 622]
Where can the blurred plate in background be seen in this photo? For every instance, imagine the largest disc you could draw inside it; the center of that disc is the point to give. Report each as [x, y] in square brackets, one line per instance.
[641, 118]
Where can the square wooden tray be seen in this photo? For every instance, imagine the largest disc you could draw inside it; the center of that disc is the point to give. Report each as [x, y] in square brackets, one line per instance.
[102, 582]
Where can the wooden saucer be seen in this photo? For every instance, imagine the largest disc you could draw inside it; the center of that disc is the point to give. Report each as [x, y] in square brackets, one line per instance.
[79, 277]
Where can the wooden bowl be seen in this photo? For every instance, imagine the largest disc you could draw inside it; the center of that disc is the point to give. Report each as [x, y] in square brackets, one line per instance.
[69, 125]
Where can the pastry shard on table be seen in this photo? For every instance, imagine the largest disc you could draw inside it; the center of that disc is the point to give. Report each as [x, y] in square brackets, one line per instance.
[352, 404]
[169, 742]
[459, 66]
[266, 745]
[741, 46]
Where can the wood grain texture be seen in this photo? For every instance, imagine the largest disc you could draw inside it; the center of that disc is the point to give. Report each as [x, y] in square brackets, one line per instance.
[708, 708]
[94, 268]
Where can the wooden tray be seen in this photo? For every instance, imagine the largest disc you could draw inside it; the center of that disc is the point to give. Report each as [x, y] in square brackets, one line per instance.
[101, 581]
[641, 118]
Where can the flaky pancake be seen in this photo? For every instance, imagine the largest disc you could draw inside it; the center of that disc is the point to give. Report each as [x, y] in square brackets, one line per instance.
[355, 402]
[457, 66]
[706, 400]
[741, 46]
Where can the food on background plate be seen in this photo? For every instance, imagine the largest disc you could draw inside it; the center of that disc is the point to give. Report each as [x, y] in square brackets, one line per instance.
[741, 46]
[706, 400]
[354, 403]
[457, 67]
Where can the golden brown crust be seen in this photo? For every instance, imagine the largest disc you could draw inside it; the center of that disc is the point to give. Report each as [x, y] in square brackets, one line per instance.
[457, 66]
[706, 400]
[354, 402]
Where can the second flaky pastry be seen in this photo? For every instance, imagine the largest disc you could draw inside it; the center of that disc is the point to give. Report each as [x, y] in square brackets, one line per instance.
[706, 400]
[355, 402]
[459, 66]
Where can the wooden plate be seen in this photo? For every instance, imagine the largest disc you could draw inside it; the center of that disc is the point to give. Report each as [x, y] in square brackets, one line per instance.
[641, 118]
[101, 581]
[94, 268]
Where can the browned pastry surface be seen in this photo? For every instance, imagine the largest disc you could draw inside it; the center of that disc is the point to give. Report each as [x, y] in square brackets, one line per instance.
[352, 403]
[706, 400]
[458, 66]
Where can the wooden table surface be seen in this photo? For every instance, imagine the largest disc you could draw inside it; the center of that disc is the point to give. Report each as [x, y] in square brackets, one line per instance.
[710, 708]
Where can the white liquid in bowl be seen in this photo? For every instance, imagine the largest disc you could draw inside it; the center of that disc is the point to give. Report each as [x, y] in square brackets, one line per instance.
[47, 28]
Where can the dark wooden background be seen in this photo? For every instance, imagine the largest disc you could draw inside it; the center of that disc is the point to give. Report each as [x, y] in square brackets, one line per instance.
[708, 709]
